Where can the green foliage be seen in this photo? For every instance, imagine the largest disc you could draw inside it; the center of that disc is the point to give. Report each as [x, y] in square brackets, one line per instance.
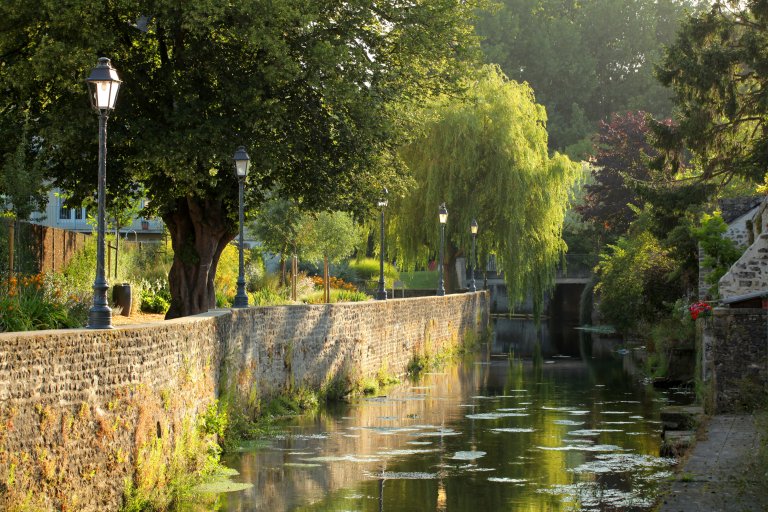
[720, 252]
[267, 297]
[214, 420]
[717, 68]
[367, 269]
[332, 235]
[316, 297]
[421, 280]
[485, 155]
[31, 303]
[672, 330]
[324, 106]
[155, 297]
[585, 60]
[635, 282]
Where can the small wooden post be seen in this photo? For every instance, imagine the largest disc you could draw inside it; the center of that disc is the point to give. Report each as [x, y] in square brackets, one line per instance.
[11, 245]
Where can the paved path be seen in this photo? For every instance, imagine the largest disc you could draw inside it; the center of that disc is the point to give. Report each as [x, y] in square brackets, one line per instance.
[721, 473]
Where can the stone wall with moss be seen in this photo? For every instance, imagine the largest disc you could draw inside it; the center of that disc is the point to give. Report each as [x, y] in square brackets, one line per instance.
[735, 358]
[95, 420]
[274, 349]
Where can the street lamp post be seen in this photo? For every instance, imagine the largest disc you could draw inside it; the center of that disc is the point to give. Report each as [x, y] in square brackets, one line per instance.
[382, 293]
[241, 170]
[103, 86]
[473, 230]
[443, 216]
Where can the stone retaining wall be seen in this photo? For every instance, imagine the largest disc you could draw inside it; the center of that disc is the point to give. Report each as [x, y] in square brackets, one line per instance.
[83, 412]
[735, 358]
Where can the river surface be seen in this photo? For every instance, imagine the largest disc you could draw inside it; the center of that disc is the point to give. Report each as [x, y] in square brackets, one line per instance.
[537, 420]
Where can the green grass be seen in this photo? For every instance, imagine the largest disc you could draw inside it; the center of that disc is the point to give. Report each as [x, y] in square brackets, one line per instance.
[421, 280]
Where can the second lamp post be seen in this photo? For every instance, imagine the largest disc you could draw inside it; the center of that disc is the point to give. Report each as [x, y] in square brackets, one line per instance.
[104, 85]
[473, 230]
[381, 294]
[241, 169]
[443, 216]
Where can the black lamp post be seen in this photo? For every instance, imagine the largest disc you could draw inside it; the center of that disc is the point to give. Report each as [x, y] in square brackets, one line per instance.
[382, 293]
[103, 86]
[473, 230]
[241, 170]
[443, 216]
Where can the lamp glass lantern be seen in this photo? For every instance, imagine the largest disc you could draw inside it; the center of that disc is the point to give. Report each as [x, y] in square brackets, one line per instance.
[242, 162]
[443, 214]
[103, 85]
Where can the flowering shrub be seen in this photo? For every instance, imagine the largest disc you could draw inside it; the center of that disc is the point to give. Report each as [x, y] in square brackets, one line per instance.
[36, 302]
[700, 309]
[335, 282]
[155, 296]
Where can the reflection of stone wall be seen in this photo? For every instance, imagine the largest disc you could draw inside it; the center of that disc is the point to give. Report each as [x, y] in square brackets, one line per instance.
[736, 358]
[81, 410]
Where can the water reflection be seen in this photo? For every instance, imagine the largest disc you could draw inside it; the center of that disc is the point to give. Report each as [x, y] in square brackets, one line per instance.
[550, 429]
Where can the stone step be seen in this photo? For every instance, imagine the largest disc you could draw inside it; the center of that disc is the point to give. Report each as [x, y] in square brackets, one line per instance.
[681, 417]
[676, 442]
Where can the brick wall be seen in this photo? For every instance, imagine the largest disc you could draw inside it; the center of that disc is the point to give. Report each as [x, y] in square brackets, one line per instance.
[735, 358]
[81, 410]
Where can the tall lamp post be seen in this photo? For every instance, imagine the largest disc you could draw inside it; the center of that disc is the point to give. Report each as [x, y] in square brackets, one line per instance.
[242, 161]
[443, 216]
[103, 86]
[473, 230]
[382, 293]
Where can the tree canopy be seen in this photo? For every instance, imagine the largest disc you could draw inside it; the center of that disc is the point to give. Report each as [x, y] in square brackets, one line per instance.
[718, 70]
[313, 89]
[623, 153]
[585, 60]
[485, 155]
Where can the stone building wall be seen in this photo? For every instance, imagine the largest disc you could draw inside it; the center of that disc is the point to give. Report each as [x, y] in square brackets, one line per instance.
[82, 412]
[735, 358]
[749, 273]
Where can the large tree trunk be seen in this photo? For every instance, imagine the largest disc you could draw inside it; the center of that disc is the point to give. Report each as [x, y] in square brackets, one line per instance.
[450, 278]
[199, 231]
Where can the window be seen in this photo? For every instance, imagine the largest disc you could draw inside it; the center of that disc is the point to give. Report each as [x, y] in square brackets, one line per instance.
[78, 213]
[65, 213]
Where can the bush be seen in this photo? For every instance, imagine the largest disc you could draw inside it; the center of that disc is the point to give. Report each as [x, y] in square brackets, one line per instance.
[367, 269]
[316, 297]
[155, 297]
[37, 302]
[267, 297]
[634, 282]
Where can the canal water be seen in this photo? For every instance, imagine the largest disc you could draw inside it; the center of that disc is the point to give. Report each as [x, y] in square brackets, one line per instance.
[540, 419]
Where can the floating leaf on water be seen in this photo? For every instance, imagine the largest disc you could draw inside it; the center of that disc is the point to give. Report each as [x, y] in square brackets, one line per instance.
[590, 494]
[592, 432]
[301, 453]
[512, 409]
[513, 430]
[440, 433]
[583, 448]
[618, 423]
[419, 442]
[392, 475]
[572, 423]
[475, 469]
[395, 453]
[622, 463]
[616, 412]
[578, 413]
[301, 465]
[473, 455]
[221, 485]
[343, 458]
[507, 480]
[494, 415]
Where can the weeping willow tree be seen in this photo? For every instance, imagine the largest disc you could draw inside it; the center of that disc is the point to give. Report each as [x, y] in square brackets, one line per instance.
[485, 155]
